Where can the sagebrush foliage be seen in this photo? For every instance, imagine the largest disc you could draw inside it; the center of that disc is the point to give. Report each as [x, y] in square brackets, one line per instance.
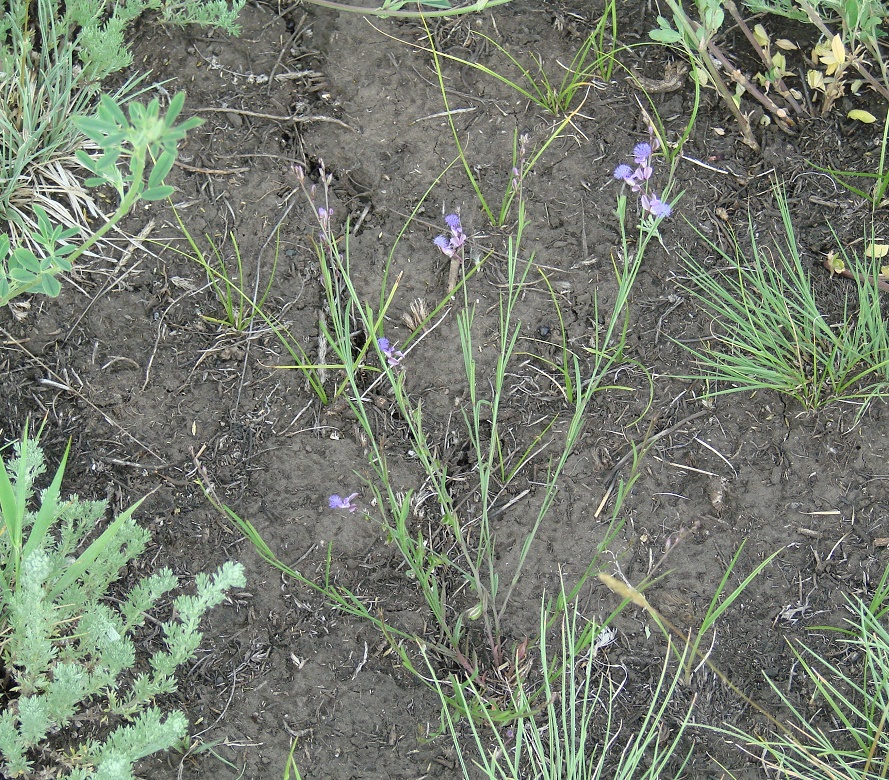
[67, 648]
[96, 29]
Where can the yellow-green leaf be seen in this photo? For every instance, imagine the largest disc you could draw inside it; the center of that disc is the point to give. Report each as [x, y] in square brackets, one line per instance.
[876, 250]
[860, 115]
[839, 51]
[701, 76]
[835, 263]
[783, 43]
[761, 36]
[815, 79]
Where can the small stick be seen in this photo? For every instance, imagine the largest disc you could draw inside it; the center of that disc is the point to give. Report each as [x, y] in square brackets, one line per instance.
[454, 271]
[210, 171]
[275, 117]
[847, 274]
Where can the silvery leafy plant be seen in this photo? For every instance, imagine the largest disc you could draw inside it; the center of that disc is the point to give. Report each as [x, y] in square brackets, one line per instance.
[67, 651]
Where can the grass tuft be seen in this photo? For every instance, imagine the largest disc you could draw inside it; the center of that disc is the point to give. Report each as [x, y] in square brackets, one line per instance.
[840, 730]
[771, 332]
[567, 727]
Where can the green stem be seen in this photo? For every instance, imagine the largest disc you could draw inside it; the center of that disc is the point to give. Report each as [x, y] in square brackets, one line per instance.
[129, 200]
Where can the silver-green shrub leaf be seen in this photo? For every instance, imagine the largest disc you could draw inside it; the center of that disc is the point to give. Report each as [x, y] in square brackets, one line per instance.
[67, 648]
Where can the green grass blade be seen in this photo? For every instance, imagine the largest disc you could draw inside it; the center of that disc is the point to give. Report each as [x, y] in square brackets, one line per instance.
[81, 566]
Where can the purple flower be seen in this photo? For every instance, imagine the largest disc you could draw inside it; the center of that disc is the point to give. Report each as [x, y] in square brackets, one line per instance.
[655, 206]
[324, 216]
[338, 502]
[458, 237]
[641, 153]
[643, 173]
[450, 245]
[444, 244]
[623, 172]
[633, 178]
[393, 356]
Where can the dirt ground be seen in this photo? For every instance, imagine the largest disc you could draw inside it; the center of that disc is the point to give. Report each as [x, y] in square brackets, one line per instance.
[126, 365]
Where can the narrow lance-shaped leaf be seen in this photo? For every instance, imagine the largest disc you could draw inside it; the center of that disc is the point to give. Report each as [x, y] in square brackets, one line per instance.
[86, 558]
[161, 168]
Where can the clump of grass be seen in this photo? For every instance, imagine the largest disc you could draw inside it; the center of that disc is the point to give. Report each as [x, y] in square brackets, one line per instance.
[772, 334]
[532, 81]
[227, 281]
[566, 726]
[840, 732]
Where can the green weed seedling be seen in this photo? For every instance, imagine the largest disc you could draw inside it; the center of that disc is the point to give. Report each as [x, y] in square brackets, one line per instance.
[68, 649]
[555, 97]
[54, 57]
[878, 194]
[773, 334]
[523, 164]
[227, 283]
[241, 308]
[523, 158]
[720, 602]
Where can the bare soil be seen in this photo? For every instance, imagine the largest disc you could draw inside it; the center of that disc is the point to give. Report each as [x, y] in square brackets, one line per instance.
[126, 364]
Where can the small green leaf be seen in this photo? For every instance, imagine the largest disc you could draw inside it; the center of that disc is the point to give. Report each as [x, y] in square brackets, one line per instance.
[50, 286]
[109, 108]
[859, 115]
[23, 258]
[713, 18]
[760, 34]
[158, 193]
[161, 168]
[665, 34]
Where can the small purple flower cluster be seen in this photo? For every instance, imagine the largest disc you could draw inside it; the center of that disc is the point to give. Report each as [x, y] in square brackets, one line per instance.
[338, 502]
[450, 244]
[393, 356]
[637, 179]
